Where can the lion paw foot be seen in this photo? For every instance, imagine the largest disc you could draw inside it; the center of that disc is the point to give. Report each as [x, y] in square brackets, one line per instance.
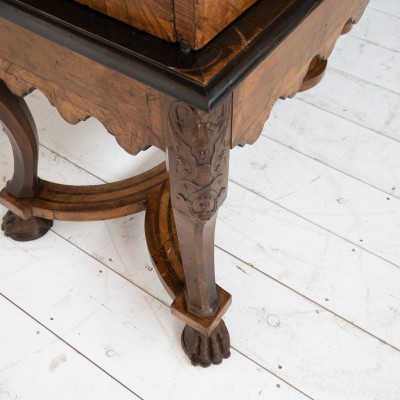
[203, 350]
[21, 230]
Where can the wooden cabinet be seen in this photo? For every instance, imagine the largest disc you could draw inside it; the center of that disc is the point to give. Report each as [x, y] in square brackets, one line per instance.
[193, 21]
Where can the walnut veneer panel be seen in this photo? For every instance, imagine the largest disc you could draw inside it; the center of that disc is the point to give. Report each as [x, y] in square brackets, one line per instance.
[193, 21]
[152, 16]
[198, 21]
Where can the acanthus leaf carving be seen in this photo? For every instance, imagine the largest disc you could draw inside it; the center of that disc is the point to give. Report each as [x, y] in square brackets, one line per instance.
[198, 154]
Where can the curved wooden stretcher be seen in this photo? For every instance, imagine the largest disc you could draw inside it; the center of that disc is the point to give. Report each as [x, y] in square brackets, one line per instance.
[194, 105]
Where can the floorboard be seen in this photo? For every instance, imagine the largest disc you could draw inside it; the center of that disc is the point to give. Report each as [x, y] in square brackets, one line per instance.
[357, 101]
[119, 327]
[76, 301]
[391, 7]
[40, 366]
[328, 198]
[367, 61]
[107, 244]
[379, 28]
[345, 146]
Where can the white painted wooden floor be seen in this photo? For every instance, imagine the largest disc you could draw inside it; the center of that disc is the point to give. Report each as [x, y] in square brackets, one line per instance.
[308, 243]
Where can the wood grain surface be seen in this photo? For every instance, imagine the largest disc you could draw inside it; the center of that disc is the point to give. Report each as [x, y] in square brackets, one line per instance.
[195, 22]
[152, 16]
[80, 87]
[199, 21]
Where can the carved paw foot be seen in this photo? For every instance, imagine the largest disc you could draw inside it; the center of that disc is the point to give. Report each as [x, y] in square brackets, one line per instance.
[203, 350]
[23, 231]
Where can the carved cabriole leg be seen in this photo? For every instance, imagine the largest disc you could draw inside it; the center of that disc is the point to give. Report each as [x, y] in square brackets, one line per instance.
[21, 130]
[198, 156]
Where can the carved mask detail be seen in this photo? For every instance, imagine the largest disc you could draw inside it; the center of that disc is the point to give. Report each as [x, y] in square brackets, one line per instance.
[199, 158]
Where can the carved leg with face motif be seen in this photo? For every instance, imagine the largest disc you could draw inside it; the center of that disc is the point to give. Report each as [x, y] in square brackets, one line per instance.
[198, 157]
[21, 130]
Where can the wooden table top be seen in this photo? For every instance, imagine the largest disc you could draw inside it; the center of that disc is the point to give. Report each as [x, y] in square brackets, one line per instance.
[201, 78]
